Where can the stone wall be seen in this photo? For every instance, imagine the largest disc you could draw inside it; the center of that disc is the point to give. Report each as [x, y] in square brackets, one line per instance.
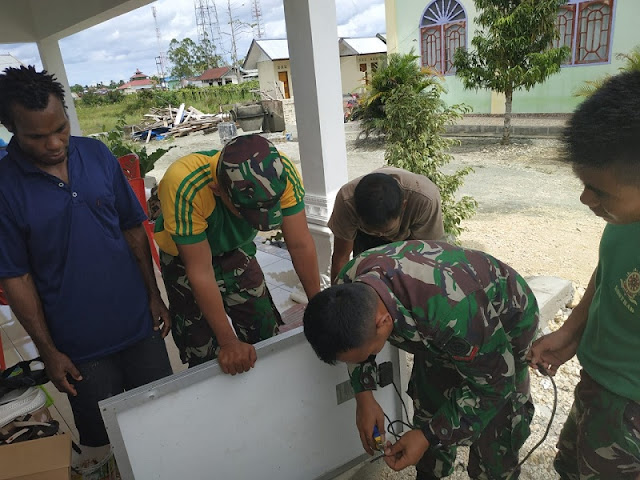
[289, 111]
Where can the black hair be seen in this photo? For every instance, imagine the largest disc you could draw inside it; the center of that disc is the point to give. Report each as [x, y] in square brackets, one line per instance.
[27, 88]
[378, 199]
[340, 318]
[604, 131]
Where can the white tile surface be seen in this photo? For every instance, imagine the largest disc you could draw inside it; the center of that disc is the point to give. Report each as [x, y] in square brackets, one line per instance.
[14, 330]
[11, 357]
[281, 274]
[5, 314]
[7, 344]
[25, 347]
[265, 259]
[281, 298]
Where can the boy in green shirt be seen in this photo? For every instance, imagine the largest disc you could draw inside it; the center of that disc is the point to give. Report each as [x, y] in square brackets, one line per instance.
[601, 437]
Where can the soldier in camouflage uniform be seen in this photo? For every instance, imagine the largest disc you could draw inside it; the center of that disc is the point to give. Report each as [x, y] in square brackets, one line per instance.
[213, 203]
[601, 437]
[468, 318]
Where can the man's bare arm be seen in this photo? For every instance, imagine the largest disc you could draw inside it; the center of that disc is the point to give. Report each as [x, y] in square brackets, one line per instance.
[25, 303]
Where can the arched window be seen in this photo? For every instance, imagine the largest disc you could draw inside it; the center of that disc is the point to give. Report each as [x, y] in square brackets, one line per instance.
[585, 27]
[443, 29]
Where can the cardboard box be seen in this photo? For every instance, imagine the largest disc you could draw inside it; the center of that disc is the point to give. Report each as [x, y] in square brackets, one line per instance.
[43, 459]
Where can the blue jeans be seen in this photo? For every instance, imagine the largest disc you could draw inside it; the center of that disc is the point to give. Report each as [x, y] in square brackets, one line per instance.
[139, 364]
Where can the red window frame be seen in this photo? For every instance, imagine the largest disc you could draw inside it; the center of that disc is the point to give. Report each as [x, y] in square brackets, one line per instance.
[441, 60]
[576, 31]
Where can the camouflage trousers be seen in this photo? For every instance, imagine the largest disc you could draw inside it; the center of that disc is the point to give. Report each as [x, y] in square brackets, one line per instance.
[601, 437]
[246, 299]
[494, 454]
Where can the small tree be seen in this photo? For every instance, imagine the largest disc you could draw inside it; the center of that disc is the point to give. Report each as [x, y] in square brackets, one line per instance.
[512, 49]
[189, 58]
[403, 103]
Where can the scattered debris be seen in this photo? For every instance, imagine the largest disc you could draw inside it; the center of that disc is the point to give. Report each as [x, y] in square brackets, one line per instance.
[161, 123]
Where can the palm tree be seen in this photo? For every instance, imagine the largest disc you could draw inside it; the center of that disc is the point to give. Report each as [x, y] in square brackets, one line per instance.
[631, 64]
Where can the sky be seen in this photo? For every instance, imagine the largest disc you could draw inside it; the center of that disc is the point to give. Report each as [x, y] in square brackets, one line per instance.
[113, 50]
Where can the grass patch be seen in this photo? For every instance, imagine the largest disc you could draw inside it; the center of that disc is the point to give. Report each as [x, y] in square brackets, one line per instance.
[103, 117]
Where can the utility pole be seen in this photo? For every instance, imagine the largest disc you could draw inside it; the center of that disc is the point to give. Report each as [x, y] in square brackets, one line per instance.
[161, 58]
[232, 27]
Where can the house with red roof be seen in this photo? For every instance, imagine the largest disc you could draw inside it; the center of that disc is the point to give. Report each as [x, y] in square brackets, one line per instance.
[213, 77]
[139, 81]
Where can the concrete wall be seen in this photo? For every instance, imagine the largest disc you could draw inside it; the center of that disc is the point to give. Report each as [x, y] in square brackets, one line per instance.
[289, 110]
[266, 74]
[353, 80]
[268, 77]
[351, 77]
[554, 96]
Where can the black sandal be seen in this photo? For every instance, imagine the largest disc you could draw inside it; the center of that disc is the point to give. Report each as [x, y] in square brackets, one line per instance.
[21, 375]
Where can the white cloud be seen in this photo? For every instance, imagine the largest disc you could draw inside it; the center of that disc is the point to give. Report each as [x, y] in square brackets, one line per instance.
[113, 50]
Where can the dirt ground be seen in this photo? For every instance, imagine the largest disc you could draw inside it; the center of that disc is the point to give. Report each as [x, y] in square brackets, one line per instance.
[529, 215]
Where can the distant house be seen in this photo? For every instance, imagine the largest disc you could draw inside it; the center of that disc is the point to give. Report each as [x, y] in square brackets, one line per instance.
[139, 81]
[7, 60]
[359, 57]
[212, 77]
[218, 76]
[271, 59]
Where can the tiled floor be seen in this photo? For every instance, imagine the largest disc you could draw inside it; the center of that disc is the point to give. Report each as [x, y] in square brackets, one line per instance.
[17, 344]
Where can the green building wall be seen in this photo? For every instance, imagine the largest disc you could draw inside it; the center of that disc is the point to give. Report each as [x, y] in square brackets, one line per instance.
[553, 96]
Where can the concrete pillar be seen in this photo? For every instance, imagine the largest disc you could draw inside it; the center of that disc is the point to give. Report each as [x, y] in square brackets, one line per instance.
[51, 57]
[312, 34]
[497, 103]
[390, 9]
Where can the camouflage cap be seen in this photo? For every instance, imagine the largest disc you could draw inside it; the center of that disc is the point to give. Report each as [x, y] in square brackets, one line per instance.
[250, 169]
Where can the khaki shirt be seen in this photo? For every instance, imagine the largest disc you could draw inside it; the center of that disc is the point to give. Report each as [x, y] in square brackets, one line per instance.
[421, 219]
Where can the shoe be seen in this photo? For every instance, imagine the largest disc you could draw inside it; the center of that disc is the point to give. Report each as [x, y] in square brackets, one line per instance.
[29, 401]
[21, 375]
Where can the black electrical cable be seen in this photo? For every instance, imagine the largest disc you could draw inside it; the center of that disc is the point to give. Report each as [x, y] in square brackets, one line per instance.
[542, 370]
[546, 432]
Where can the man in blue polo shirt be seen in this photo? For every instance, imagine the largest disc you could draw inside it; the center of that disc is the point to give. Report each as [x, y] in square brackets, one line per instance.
[75, 262]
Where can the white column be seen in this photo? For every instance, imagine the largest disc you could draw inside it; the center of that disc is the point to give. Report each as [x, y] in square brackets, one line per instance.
[51, 57]
[312, 34]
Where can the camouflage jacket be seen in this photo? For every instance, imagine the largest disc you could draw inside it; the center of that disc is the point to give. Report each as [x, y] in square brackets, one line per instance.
[466, 311]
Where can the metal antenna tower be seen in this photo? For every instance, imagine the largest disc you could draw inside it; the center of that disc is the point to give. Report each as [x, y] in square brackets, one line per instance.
[204, 24]
[161, 58]
[256, 11]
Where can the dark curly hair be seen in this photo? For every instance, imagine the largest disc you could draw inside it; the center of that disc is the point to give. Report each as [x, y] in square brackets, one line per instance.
[26, 87]
[604, 131]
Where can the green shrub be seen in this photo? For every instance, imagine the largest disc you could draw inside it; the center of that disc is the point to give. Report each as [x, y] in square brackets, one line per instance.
[115, 141]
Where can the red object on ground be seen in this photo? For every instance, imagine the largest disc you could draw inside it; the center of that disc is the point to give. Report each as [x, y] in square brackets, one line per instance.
[131, 166]
[3, 366]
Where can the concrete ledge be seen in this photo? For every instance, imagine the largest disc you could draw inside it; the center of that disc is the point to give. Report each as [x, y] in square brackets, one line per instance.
[496, 130]
[552, 294]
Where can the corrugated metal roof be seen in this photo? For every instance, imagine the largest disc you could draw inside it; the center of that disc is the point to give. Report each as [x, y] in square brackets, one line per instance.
[275, 49]
[366, 45]
[8, 60]
[214, 73]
